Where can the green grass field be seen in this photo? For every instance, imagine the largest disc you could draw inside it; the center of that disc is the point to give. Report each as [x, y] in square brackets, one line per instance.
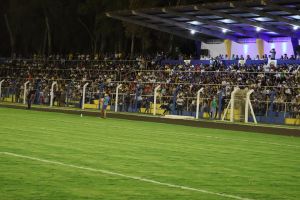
[57, 156]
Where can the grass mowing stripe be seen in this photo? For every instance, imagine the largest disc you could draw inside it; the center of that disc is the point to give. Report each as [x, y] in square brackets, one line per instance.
[150, 116]
[144, 150]
[126, 176]
[122, 141]
[185, 146]
[143, 123]
[245, 149]
[107, 145]
[168, 132]
[118, 145]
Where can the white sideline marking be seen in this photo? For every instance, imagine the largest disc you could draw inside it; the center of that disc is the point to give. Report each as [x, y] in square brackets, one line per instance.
[126, 176]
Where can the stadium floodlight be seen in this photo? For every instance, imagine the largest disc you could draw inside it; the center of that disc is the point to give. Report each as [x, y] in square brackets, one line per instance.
[83, 95]
[198, 102]
[52, 93]
[258, 29]
[193, 32]
[1, 89]
[155, 99]
[295, 28]
[25, 91]
[117, 97]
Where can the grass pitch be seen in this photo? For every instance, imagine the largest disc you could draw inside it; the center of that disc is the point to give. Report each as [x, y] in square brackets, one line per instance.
[58, 156]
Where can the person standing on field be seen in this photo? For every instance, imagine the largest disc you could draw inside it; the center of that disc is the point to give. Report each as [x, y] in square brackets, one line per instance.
[213, 108]
[106, 100]
[179, 103]
[30, 98]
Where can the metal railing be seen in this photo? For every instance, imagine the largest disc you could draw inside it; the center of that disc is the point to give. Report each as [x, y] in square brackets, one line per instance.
[73, 96]
[88, 68]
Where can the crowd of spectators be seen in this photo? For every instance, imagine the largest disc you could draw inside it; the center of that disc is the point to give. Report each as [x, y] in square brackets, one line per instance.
[155, 57]
[248, 57]
[139, 77]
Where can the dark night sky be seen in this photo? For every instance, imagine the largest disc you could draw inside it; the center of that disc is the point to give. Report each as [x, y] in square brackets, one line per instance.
[79, 26]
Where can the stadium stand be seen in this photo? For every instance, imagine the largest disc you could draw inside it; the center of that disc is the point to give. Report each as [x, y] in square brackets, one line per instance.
[276, 98]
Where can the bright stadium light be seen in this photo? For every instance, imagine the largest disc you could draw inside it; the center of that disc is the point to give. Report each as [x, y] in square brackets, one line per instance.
[295, 28]
[193, 32]
[258, 29]
[224, 30]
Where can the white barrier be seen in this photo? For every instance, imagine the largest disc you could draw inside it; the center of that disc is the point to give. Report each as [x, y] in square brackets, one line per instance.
[178, 117]
[232, 104]
[248, 104]
[155, 99]
[1, 89]
[83, 96]
[52, 93]
[198, 102]
[25, 91]
[117, 97]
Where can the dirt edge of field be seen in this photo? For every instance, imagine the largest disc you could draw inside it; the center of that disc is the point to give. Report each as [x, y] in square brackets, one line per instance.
[200, 124]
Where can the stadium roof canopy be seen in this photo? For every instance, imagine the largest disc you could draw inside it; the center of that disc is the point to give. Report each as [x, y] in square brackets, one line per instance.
[237, 20]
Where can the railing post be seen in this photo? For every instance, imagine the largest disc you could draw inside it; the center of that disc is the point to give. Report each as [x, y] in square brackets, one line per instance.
[232, 104]
[267, 108]
[285, 109]
[83, 95]
[252, 112]
[198, 102]
[52, 93]
[1, 89]
[117, 97]
[25, 91]
[155, 98]
[247, 106]
[187, 104]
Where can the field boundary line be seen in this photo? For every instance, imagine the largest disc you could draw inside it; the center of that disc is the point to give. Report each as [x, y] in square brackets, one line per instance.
[125, 176]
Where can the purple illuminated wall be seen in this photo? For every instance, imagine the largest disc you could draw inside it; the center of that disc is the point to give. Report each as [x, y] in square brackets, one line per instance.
[249, 47]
